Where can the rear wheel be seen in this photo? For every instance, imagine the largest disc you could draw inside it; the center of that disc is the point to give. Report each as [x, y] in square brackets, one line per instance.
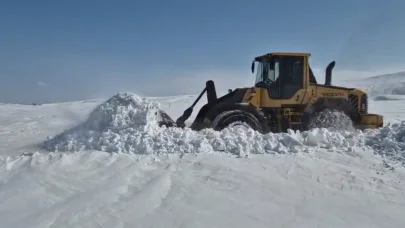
[238, 118]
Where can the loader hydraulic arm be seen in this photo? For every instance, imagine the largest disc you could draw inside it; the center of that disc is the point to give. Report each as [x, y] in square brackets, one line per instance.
[187, 113]
[211, 97]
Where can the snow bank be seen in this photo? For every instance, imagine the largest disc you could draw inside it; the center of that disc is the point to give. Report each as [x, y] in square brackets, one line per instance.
[121, 118]
[388, 141]
[128, 124]
[388, 84]
[388, 98]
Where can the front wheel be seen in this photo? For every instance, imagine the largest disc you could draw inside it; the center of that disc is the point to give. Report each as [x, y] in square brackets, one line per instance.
[330, 119]
[237, 118]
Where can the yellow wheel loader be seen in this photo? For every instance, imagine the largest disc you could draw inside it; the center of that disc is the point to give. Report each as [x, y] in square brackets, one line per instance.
[285, 96]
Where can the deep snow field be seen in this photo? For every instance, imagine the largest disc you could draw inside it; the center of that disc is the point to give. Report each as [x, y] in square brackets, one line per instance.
[105, 163]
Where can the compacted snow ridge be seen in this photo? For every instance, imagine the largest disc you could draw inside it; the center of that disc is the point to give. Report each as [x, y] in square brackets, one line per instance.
[127, 123]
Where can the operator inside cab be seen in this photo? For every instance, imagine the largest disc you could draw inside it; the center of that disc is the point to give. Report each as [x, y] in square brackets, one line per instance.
[282, 76]
[267, 73]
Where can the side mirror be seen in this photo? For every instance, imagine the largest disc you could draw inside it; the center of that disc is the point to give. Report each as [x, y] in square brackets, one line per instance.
[253, 66]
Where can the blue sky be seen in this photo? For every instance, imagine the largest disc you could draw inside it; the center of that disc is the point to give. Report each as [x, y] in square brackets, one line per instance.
[71, 50]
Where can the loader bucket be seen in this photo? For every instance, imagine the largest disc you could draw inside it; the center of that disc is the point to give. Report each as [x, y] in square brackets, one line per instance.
[370, 121]
[164, 119]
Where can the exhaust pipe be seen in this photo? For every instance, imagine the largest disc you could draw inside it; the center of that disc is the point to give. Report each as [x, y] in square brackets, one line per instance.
[328, 73]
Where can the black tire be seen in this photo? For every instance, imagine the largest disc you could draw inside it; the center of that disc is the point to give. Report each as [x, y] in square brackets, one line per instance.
[285, 124]
[230, 117]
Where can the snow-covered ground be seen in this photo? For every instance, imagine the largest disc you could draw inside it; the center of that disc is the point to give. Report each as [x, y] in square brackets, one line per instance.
[179, 178]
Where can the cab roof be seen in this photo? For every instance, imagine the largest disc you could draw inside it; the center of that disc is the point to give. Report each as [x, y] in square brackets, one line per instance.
[305, 54]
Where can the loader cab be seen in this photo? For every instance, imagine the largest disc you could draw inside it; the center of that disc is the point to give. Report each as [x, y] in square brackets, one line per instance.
[282, 74]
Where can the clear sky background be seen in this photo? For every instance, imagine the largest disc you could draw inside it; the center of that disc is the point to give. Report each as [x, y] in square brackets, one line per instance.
[79, 49]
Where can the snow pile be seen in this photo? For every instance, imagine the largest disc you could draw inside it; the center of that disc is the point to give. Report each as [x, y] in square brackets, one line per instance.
[129, 124]
[332, 120]
[389, 141]
[123, 112]
[126, 123]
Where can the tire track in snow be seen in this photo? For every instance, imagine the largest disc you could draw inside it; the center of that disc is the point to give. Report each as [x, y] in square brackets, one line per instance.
[71, 207]
[145, 195]
[63, 196]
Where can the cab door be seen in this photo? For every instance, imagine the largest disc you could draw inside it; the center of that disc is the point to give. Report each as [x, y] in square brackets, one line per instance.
[289, 72]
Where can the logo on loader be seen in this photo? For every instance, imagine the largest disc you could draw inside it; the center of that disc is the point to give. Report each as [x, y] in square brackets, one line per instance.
[333, 94]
